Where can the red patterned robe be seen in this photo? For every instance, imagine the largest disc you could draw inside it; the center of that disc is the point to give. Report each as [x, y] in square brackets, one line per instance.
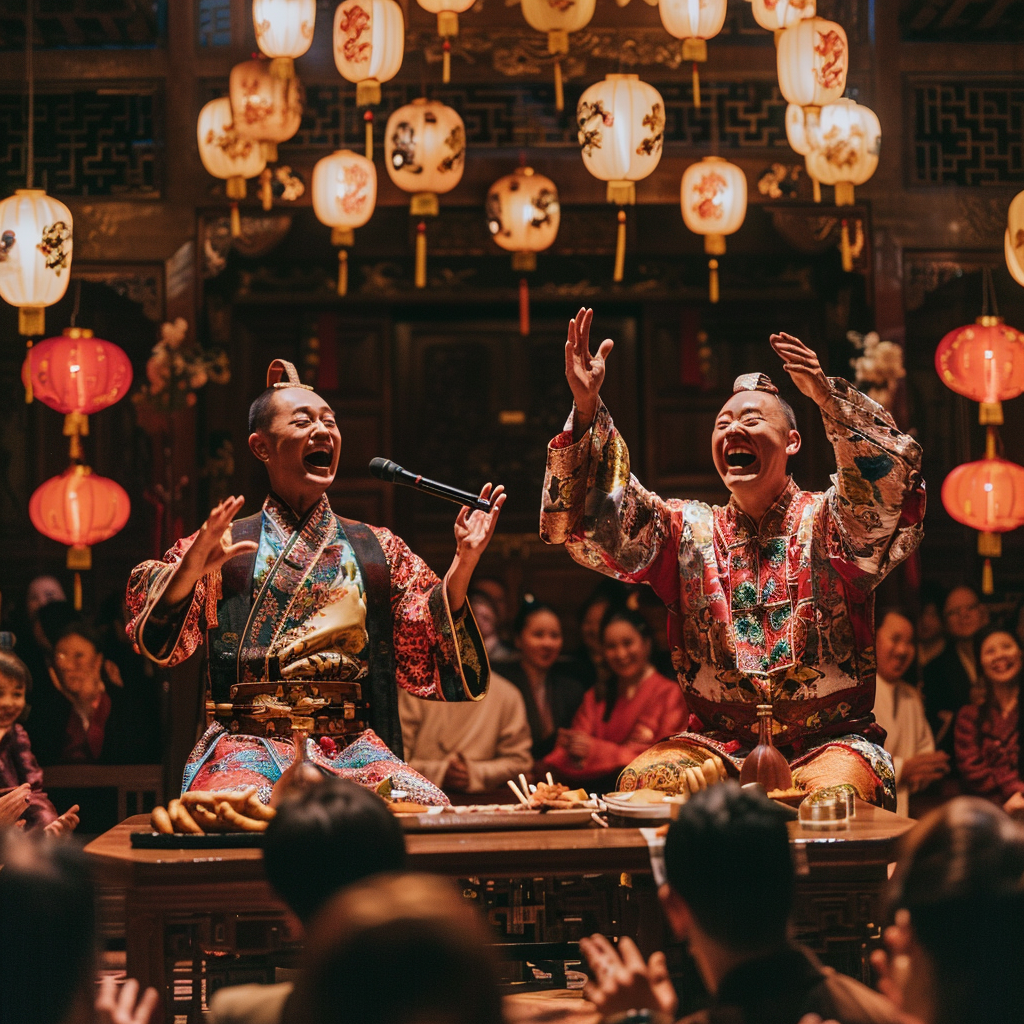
[779, 612]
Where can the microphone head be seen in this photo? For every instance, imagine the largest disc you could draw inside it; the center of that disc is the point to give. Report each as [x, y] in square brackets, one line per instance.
[385, 469]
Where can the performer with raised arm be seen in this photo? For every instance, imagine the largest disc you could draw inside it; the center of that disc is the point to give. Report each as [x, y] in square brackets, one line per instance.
[770, 597]
[309, 617]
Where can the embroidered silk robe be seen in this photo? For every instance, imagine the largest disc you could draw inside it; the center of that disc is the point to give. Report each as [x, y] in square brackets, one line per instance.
[779, 612]
[300, 645]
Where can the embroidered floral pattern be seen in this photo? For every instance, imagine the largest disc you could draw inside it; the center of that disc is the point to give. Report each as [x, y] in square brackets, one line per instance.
[831, 49]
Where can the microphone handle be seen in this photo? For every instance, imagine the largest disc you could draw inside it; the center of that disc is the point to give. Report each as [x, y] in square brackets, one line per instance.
[440, 490]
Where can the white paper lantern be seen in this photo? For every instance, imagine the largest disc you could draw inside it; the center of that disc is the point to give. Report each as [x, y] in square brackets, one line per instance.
[1013, 239]
[344, 197]
[558, 18]
[713, 199]
[813, 59]
[35, 255]
[796, 129]
[284, 30]
[369, 44]
[695, 22]
[776, 15]
[264, 108]
[845, 148]
[447, 12]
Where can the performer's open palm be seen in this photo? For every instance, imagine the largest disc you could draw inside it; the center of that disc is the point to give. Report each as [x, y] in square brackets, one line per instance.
[212, 547]
[474, 530]
[802, 365]
[583, 371]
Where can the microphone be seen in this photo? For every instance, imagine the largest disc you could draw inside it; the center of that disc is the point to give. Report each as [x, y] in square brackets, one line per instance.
[392, 473]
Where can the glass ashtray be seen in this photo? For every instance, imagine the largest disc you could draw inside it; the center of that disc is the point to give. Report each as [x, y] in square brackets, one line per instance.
[824, 812]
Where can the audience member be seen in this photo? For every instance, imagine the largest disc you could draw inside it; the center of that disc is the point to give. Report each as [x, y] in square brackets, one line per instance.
[551, 695]
[20, 775]
[622, 717]
[951, 676]
[899, 710]
[729, 894]
[931, 639]
[589, 660]
[48, 940]
[988, 735]
[399, 949]
[486, 615]
[322, 839]
[955, 951]
[495, 590]
[468, 746]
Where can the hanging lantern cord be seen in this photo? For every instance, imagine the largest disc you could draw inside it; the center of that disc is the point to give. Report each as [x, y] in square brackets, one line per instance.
[29, 150]
[988, 289]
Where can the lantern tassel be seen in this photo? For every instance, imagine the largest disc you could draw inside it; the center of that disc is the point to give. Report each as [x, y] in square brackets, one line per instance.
[559, 93]
[28, 376]
[368, 118]
[844, 247]
[266, 189]
[987, 582]
[78, 592]
[817, 189]
[524, 307]
[713, 280]
[342, 272]
[620, 248]
[236, 221]
[421, 255]
[446, 62]
[696, 86]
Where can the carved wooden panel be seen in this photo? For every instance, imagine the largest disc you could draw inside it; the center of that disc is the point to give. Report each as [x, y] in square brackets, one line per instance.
[86, 23]
[954, 21]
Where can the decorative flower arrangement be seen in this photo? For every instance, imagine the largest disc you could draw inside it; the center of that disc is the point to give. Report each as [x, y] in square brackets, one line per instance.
[177, 369]
[879, 369]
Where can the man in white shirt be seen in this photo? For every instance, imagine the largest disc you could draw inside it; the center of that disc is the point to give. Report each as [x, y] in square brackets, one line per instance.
[899, 710]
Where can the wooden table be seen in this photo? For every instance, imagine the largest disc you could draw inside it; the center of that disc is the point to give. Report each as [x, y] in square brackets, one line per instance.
[841, 877]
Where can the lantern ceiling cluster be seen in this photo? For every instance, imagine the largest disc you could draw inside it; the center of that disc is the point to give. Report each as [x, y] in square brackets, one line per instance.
[984, 362]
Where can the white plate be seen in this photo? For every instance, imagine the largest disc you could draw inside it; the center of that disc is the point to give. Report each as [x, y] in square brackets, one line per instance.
[621, 805]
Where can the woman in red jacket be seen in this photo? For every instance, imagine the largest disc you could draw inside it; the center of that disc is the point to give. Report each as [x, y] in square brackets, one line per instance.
[987, 736]
[622, 717]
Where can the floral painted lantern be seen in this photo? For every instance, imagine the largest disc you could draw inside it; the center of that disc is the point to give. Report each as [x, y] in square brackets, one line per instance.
[988, 496]
[1013, 240]
[621, 131]
[776, 15]
[713, 197]
[558, 18]
[523, 215]
[344, 197]
[225, 154]
[369, 44]
[813, 58]
[264, 108]
[35, 255]
[801, 135]
[79, 509]
[284, 31]
[984, 362]
[845, 147]
[77, 375]
[424, 152]
[695, 22]
[447, 12]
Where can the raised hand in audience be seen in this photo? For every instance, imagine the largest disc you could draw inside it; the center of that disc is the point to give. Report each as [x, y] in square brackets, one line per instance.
[65, 824]
[623, 981]
[892, 964]
[124, 1007]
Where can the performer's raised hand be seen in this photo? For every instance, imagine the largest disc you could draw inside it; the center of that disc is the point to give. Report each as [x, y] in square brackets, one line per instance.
[209, 551]
[473, 532]
[802, 365]
[583, 371]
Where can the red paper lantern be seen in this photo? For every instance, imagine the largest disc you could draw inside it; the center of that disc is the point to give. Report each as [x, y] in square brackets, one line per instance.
[983, 361]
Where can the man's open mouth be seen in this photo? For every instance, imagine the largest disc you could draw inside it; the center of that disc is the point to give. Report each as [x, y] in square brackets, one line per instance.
[739, 458]
[320, 459]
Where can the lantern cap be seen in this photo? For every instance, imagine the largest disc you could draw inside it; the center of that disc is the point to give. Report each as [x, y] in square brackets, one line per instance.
[754, 382]
[30, 191]
[76, 332]
[989, 321]
[282, 374]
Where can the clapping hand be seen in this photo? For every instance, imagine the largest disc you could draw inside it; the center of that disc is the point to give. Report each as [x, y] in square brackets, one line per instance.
[65, 824]
[583, 371]
[114, 1008]
[14, 804]
[622, 981]
[802, 365]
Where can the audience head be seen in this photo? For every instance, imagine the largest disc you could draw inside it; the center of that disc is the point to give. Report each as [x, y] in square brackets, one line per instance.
[538, 634]
[43, 590]
[78, 660]
[15, 686]
[593, 612]
[51, 620]
[484, 612]
[963, 613]
[398, 949]
[998, 655]
[325, 838]
[894, 644]
[721, 832]
[932, 599]
[961, 878]
[495, 590]
[625, 642]
[47, 931]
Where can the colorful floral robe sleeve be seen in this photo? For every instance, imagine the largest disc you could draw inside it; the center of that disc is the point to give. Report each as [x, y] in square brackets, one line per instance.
[778, 612]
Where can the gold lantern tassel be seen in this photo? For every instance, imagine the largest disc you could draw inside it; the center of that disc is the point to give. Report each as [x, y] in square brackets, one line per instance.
[76, 425]
[844, 247]
[713, 280]
[342, 272]
[266, 188]
[524, 307]
[28, 376]
[421, 255]
[696, 86]
[78, 592]
[236, 221]
[987, 582]
[620, 248]
[559, 94]
[990, 545]
[368, 119]
[446, 62]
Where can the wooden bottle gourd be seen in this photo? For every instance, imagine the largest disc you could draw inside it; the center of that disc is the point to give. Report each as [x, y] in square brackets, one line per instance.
[765, 764]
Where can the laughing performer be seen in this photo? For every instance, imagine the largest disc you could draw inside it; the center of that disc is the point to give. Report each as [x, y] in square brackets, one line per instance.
[771, 596]
[309, 619]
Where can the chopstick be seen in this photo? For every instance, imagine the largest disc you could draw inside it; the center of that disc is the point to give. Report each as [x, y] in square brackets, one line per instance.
[550, 778]
[515, 789]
